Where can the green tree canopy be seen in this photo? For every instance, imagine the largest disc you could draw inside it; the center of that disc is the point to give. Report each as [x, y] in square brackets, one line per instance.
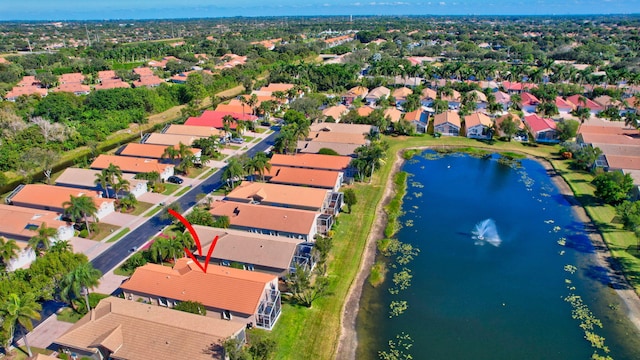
[613, 187]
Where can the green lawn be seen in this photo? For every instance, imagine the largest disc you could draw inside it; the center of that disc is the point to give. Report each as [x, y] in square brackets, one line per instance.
[141, 207]
[119, 271]
[119, 235]
[104, 230]
[195, 172]
[21, 352]
[170, 188]
[153, 211]
[208, 173]
[183, 191]
[352, 231]
[248, 138]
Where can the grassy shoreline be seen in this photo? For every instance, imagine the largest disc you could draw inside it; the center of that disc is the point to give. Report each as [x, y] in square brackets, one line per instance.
[321, 324]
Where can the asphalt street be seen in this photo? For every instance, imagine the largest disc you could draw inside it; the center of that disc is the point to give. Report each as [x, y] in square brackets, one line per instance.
[136, 238]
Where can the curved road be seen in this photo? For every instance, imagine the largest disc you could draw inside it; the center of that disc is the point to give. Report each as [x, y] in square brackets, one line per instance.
[120, 250]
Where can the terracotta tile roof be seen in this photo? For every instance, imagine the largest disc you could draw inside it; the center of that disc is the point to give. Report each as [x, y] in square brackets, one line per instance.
[537, 123]
[273, 87]
[528, 99]
[607, 101]
[266, 217]
[245, 247]
[609, 138]
[152, 151]
[415, 115]
[291, 196]
[4, 61]
[147, 81]
[40, 195]
[335, 112]
[324, 179]
[456, 97]
[518, 86]
[618, 149]
[171, 139]
[365, 110]
[112, 84]
[133, 330]
[129, 164]
[393, 114]
[448, 116]
[428, 93]
[213, 118]
[107, 75]
[75, 88]
[76, 177]
[563, 104]
[18, 91]
[143, 71]
[21, 222]
[590, 104]
[29, 80]
[623, 162]
[477, 118]
[205, 131]
[71, 78]
[227, 288]
[234, 106]
[480, 95]
[312, 161]
[609, 128]
[312, 147]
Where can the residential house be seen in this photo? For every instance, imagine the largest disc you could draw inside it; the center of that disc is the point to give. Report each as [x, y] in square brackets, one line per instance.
[428, 97]
[447, 123]
[147, 78]
[234, 106]
[269, 220]
[229, 61]
[313, 161]
[287, 196]
[86, 179]
[109, 80]
[521, 132]
[528, 102]
[121, 329]
[133, 165]
[364, 111]
[22, 223]
[151, 151]
[517, 87]
[478, 126]
[481, 99]
[322, 179]
[26, 87]
[418, 119]
[581, 101]
[394, 115]
[215, 118]
[72, 83]
[454, 100]
[543, 130]
[313, 147]
[564, 107]
[204, 131]
[275, 255]
[52, 198]
[355, 93]
[335, 112]
[376, 94]
[247, 297]
[491, 85]
[273, 87]
[410, 81]
[503, 99]
[169, 139]
[400, 94]
[162, 63]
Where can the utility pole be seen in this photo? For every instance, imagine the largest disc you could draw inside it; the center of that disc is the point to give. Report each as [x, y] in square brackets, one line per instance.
[87, 30]
[29, 43]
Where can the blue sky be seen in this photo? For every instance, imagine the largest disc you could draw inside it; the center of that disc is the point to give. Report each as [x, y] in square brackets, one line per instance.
[154, 9]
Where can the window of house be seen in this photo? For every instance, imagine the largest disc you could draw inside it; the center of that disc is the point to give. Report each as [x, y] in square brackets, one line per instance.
[248, 267]
[163, 301]
[225, 263]
[226, 315]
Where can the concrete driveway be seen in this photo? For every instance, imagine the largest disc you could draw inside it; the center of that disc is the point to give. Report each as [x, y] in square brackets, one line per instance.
[119, 219]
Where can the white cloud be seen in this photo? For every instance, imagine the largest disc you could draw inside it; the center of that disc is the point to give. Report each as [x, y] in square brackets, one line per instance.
[442, 3]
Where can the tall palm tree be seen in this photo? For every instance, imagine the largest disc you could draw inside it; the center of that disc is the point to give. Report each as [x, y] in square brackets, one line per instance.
[80, 208]
[227, 120]
[261, 164]
[114, 173]
[233, 171]
[78, 282]
[43, 238]
[170, 153]
[159, 250]
[185, 240]
[174, 247]
[121, 185]
[61, 246]
[8, 250]
[21, 311]
[102, 179]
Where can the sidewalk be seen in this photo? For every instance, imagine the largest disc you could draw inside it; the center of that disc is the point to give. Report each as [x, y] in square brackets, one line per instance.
[52, 328]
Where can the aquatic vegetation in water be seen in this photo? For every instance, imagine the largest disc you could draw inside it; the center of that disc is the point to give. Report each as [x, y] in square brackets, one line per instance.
[397, 308]
[416, 184]
[378, 273]
[556, 228]
[417, 195]
[401, 280]
[549, 221]
[408, 223]
[562, 241]
[570, 268]
[398, 348]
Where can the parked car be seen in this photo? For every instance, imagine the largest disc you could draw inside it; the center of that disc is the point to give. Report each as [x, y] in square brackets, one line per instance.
[175, 180]
[237, 140]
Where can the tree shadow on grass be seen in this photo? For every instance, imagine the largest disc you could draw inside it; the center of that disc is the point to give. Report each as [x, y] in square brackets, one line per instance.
[607, 277]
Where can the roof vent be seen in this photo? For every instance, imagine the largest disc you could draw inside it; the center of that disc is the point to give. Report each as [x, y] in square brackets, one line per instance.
[236, 211]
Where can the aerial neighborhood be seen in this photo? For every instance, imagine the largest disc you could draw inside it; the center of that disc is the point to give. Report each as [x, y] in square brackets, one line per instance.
[268, 142]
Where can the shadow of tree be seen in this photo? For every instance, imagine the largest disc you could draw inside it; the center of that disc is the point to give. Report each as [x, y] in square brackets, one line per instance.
[606, 277]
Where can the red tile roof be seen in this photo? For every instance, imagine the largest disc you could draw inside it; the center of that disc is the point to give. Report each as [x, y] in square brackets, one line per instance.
[537, 123]
[325, 179]
[213, 118]
[590, 104]
[129, 164]
[529, 99]
[312, 161]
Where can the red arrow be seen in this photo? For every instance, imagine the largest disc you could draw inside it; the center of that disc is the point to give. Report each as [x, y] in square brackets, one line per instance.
[193, 233]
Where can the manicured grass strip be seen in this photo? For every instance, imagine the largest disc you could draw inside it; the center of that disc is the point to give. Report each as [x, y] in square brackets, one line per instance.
[140, 208]
[104, 230]
[208, 173]
[119, 235]
[183, 191]
[153, 211]
[170, 188]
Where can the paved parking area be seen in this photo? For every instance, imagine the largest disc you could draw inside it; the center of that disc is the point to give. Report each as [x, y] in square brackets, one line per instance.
[119, 219]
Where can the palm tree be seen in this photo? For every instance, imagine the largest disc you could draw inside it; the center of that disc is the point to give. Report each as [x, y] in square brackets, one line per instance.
[114, 172]
[174, 247]
[80, 208]
[61, 246]
[227, 120]
[581, 113]
[170, 153]
[43, 238]
[185, 240]
[121, 185]
[102, 179]
[233, 171]
[78, 282]
[21, 311]
[261, 164]
[252, 101]
[8, 250]
[159, 250]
